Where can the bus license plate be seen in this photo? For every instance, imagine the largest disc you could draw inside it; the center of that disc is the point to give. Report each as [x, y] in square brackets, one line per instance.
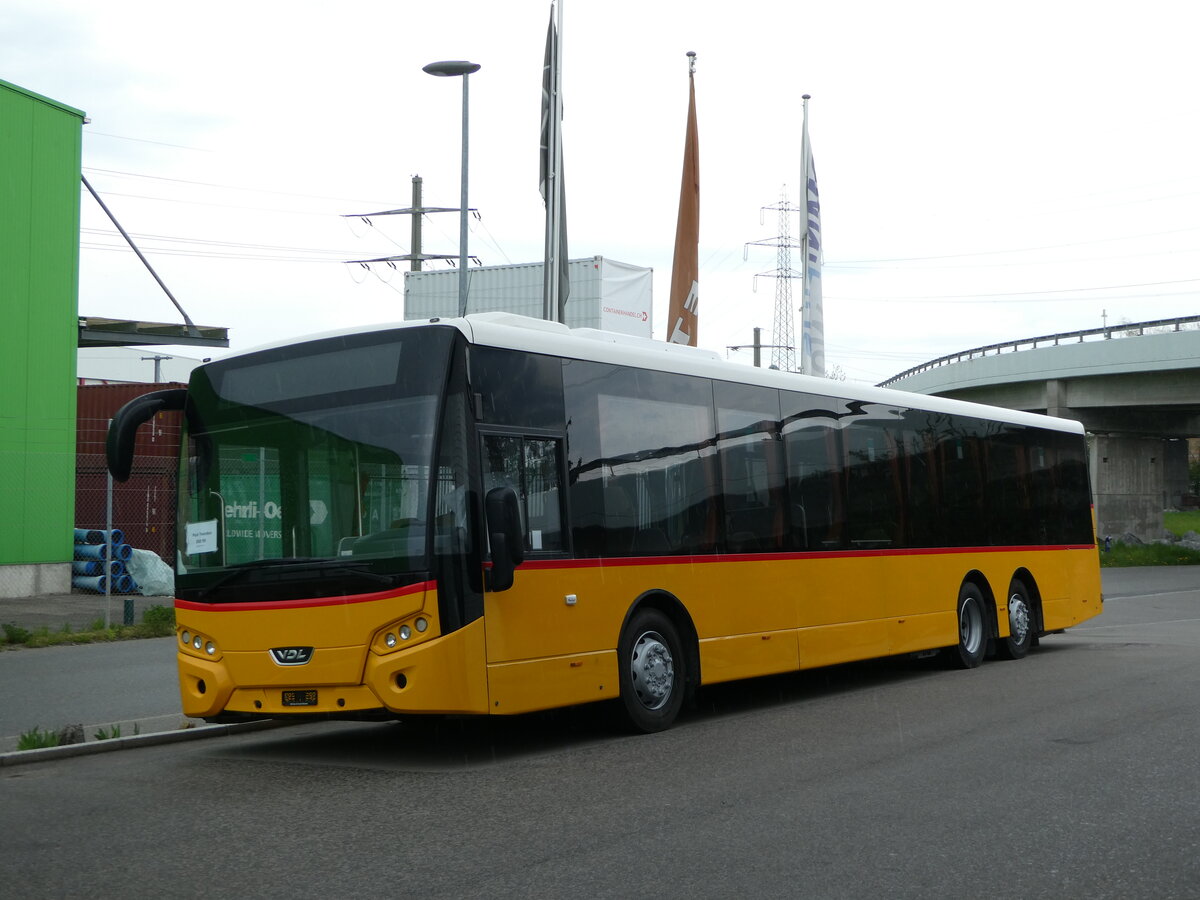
[299, 698]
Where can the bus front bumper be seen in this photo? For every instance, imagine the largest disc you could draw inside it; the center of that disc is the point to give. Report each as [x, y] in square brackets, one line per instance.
[444, 675]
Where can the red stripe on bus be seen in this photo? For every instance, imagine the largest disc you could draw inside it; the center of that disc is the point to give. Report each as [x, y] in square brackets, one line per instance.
[790, 555]
[307, 603]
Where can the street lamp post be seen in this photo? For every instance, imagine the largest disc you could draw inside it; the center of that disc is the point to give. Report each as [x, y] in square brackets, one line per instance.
[449, 69]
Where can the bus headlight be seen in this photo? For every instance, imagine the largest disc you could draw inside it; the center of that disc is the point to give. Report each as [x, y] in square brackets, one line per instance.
[198, 644]
[404, 633]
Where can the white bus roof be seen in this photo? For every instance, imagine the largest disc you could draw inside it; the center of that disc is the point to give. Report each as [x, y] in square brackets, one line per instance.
[511, 331]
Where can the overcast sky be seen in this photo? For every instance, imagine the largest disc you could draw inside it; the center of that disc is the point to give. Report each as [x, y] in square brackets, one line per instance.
[987, 171]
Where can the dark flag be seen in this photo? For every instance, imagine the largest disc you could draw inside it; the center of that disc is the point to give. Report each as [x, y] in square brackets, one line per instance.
[682, 320]
[556, 284]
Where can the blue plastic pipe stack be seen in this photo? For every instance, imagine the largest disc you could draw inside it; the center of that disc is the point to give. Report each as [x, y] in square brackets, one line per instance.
[92, 569]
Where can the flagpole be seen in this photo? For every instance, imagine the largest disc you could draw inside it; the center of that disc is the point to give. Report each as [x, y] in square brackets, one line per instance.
[559, 308]
[548, 135]
[805, 151]
[552, 300]
[805, 351]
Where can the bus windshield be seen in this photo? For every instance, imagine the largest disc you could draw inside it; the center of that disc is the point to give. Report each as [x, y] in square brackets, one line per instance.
[308, 469]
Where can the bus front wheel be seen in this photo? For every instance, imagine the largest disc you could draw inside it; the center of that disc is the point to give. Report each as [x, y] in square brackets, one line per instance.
[1020, 622]
[972, 629]
[653, 672]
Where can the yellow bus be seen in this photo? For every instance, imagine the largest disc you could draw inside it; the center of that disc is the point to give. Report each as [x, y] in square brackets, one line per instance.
[497, 515]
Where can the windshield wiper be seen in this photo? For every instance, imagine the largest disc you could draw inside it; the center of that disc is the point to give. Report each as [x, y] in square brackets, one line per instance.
[268, 563]
[296, 565]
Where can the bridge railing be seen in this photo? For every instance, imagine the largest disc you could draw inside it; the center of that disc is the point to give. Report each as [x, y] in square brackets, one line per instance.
[1108, 332]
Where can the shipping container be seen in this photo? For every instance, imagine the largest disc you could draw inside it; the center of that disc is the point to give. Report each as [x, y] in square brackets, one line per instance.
[604, 293]
[143, 506]
[98, 403]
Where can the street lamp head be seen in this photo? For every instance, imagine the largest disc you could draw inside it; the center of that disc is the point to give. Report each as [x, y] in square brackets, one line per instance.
[450, 67]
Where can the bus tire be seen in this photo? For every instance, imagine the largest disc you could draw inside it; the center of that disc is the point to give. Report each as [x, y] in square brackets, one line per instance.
[1020, 622]
[972, 629]
[653, 673]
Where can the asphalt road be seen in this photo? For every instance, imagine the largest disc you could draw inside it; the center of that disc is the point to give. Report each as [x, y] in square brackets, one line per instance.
[1072, 773]
[94, 685]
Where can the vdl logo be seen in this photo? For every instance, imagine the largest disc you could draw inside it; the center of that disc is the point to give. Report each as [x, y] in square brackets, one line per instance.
[291, 656]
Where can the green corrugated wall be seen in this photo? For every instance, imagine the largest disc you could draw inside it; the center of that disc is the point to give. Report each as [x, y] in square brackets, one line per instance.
[40, 150]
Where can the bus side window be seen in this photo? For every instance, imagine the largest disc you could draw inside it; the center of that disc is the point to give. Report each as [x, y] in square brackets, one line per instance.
[815, 488]
[529, 465]
[542, 496]
[874, 507]
[961, 481]
[751, 467]
[815, 476]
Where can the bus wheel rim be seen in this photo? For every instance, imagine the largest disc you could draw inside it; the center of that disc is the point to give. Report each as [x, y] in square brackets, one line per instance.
[1018, 618]
[970, 626]
[652, 669]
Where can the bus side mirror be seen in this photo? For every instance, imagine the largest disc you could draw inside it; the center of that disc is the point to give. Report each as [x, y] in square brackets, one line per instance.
[504, 536]
[122, 430]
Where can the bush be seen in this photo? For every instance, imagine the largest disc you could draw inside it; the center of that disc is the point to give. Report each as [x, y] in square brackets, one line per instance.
[14, 634]
[1148, 555]
[160, 618]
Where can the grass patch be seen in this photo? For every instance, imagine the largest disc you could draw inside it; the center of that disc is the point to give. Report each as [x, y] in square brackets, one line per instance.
[1180, 523]
[157, 621]
[108, 734]
[36, 739]
[114, 731]
[1148, 555]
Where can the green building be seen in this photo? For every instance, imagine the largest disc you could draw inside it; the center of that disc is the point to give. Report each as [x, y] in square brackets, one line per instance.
[40, 168]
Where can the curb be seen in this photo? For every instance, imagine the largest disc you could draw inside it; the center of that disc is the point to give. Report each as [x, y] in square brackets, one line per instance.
[134, 741]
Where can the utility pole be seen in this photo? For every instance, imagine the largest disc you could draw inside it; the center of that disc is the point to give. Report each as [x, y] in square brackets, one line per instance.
[157, 366]
[758, 346]
[415, 243]
[415, 257]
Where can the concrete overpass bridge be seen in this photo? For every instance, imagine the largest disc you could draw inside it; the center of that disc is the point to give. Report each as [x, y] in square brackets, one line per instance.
[1135, 388]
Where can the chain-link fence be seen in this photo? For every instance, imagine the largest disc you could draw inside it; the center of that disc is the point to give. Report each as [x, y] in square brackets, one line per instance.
[124, 531]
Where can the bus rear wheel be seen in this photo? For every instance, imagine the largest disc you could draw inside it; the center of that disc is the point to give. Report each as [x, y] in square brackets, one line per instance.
[1020, 622]
[652, 671]
[972, 629]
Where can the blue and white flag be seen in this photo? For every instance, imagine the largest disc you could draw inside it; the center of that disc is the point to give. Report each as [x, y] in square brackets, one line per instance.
[812, 316]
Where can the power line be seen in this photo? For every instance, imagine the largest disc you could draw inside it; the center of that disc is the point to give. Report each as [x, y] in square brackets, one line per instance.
[1011, 264]
[1124, 238]
[290, 212]
[121, 137]
[102, 232]
[1039, 296]
[160, 251]
[229, 187]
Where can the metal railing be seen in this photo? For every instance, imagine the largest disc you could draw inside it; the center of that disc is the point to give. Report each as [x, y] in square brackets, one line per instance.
[1108, 332]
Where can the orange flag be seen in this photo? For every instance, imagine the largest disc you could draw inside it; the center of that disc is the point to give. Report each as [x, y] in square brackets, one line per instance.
[682, 321]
